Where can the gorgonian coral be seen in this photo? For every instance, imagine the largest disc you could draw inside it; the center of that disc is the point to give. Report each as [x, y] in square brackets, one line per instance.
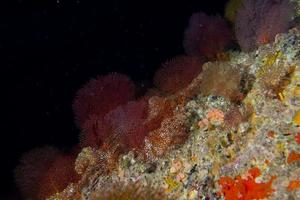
[99, 96]
[258, 21]
[177, 73]
[206, 35]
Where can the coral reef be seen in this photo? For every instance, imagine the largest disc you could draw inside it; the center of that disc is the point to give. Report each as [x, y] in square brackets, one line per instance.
[222, 130]
[247, 149]
[244, 150]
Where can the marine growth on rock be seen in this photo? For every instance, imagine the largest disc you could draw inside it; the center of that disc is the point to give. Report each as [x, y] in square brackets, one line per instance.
[226, 129]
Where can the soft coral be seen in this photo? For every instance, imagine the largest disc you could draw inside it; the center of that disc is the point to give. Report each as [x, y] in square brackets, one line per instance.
[124, 123]
[101, 95]
[178, 73]
[258, 21]
[206, 35]
[45, 171]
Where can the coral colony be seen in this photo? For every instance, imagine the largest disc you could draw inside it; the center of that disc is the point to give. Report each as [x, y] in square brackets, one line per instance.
[219, 123]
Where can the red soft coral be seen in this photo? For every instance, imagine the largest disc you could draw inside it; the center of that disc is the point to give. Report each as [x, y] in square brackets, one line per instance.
[45, 171]
[258, 21]
[127, 121]
[60, 173]
[31, 169]
[101, 95]
[206, 35]
[124, 122]
[177, 73]
[94, 131]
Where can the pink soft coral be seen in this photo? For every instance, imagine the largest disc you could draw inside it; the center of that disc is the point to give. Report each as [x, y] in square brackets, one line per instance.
[127, 121]
[101, 95]
[206, 35]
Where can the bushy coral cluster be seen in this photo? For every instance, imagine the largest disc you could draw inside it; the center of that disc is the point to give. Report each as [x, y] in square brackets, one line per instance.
[114, 120]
